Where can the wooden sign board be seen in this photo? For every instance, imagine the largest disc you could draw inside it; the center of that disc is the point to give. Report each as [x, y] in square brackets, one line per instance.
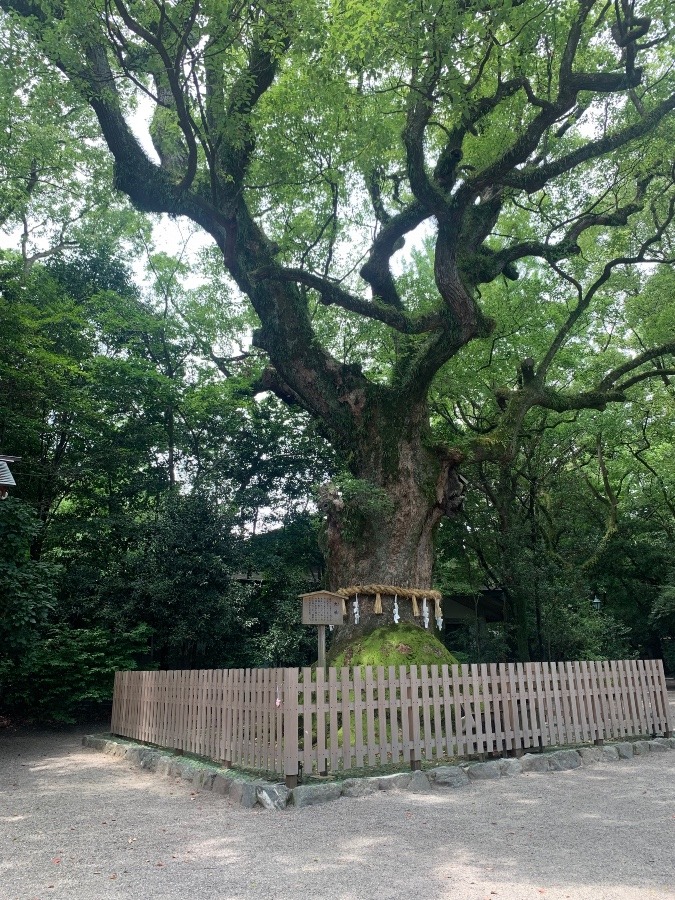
[321, 608]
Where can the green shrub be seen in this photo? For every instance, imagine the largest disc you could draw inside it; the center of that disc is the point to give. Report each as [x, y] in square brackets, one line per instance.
[68, 675]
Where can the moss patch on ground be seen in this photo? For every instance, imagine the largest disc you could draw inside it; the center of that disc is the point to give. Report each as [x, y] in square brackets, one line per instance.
[395, 645]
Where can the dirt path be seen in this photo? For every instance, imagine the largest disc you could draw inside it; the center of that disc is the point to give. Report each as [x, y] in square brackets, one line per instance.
[77, 825]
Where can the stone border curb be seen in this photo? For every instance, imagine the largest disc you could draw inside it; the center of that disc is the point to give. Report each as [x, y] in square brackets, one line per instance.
[249, 793]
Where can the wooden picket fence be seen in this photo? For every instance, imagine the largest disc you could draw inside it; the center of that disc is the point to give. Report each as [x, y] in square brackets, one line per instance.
[278, 720]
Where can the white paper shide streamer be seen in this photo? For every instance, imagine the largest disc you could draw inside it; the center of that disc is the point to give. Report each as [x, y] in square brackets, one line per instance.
[397, 617]
[425, 612]
[439, 615]
[357, 614]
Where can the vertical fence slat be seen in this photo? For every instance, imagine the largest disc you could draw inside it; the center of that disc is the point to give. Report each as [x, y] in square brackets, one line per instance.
[624, 705]
[639, 697]
[559, 730]
[381, 713]
[647, 696]
[370, 716]
[490, 704]
[279, 728]
[346, 717]
[654, 698]
[415, 715]
[290, 722]
[622, 710]
[576, 693]
[321, 757]
[439, 741]
[394, 715]
[448, 711]
[358, 718]
[667, 716]
[307, 715]
[510, 686]
[522, 707]
[545, 675]
[404, 693]
[425, 736]
[460, 728]
[496, 708]
[476, 704]
[468, 720]
[333, 722]
[611, 725]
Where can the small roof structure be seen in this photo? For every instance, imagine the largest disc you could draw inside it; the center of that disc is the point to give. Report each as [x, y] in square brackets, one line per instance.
[6, 477]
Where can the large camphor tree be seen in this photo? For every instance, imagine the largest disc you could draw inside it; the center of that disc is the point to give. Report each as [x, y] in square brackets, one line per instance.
[315, 141]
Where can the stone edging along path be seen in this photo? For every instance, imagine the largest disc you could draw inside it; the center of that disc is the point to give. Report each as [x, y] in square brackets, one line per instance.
[248, 793]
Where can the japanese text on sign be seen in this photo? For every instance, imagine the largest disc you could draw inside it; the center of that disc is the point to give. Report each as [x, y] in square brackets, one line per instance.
[322, 609]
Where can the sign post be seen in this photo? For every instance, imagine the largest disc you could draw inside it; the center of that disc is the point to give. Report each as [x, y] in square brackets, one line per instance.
[322, 608]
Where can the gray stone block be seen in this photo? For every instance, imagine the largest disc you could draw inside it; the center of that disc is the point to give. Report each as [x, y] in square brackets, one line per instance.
[397, 782]
[273, 796]
[665, 742]
[203, 779]
[309, 794]
[483, 770]
[133, 756]
[590, 755]
[94, 742]
[671, 741]
[149, 760]
[656, 746]
[419, 783]
[625, 750]
[163, 765]
[561, 760]
[510, 767]
[609, 754]
[222, 784]
[182, 769]
[535, 762]
[640, 748]
[449, 776]
[245, 793]
[359, 787]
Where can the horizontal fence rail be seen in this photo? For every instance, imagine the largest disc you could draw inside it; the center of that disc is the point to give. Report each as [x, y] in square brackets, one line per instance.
[278, 720]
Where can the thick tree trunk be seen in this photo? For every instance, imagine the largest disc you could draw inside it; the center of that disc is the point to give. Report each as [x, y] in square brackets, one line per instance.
[381, 534]
[381, 524]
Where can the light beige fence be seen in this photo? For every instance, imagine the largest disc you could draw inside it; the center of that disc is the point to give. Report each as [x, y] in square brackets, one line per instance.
[278, 719]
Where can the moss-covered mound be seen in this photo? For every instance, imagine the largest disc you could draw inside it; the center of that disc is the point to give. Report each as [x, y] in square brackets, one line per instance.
[395, 645]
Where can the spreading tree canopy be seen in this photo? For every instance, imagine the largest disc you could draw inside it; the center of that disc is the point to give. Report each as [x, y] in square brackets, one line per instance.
[527, 142]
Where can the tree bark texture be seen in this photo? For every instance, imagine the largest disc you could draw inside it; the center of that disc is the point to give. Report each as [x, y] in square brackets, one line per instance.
[380, 526]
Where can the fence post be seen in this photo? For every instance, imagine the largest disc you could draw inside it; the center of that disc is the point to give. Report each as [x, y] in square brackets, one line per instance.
[413, 721]
[290, 727]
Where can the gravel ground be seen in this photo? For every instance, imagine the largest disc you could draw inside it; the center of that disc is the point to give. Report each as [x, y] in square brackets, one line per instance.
[78, 825]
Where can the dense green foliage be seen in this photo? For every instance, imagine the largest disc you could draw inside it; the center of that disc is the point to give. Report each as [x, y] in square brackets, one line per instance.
[26, 585]
[144, 473]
